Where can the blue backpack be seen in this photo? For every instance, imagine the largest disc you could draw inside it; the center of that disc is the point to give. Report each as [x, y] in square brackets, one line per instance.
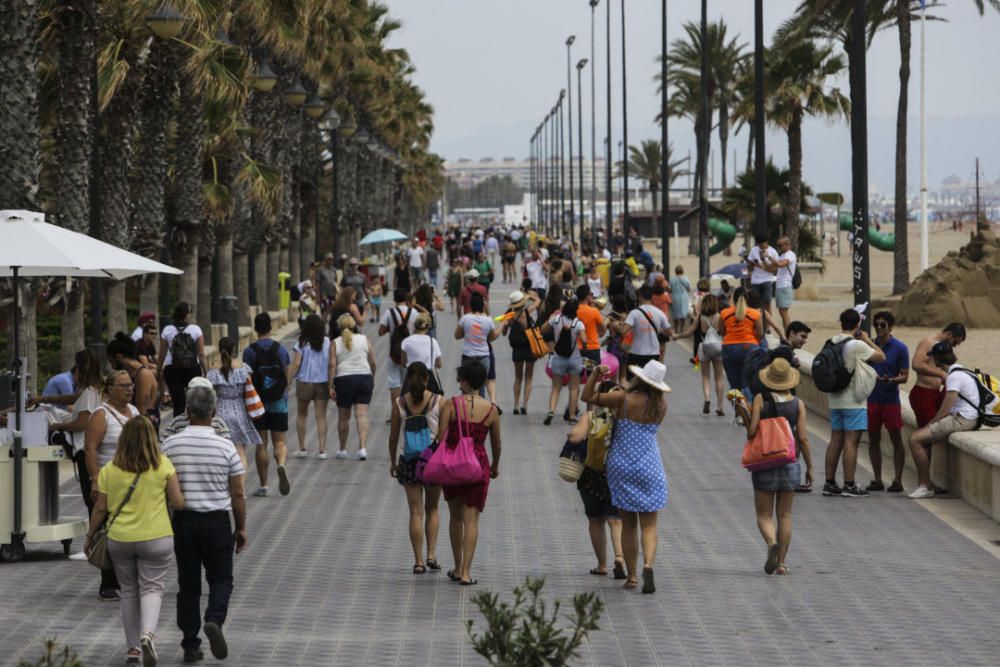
[417, 434]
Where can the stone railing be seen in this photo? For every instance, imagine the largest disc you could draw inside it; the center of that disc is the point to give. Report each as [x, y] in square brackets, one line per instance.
[968, 465]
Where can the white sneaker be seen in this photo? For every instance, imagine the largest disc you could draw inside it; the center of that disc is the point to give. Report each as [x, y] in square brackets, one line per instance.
[921, 492]
[81, 555]
[341, 454]
[322, 456]
[362, 454]
[300, 454]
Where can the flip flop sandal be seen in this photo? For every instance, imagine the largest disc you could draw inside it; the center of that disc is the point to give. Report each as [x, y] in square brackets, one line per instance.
[620, 570]
[631, 584]
[648, 583]
[433, 564]
[471, 582]
[782, 569]
[451, 575]
[804, 488]
[419, 569]
[598, 573]
[772, 558]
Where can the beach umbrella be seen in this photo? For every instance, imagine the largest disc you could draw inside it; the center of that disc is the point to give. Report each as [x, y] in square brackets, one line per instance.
[737, 270]
[382, 236]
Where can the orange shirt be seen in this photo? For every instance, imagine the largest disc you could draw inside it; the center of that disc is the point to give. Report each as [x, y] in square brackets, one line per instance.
[591, 318]
[663, 301]
[739, 333]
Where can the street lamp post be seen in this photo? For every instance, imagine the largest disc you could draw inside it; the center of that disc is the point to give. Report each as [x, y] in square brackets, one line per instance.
[569, 92]
[593, 127]
[703, 149]
[859, 156]
[624, 128]
[561, 148]
[760, 156]
[664, 145]
[609, 221]
[579, 117]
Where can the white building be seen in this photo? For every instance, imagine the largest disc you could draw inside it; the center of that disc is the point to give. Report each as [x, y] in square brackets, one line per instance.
[468, 173]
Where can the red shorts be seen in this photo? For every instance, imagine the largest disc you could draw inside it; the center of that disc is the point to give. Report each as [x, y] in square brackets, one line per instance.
[925, 403]
[888, 415]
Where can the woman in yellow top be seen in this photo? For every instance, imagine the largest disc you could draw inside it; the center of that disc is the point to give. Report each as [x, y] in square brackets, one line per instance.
[742, 330]
[140, 539]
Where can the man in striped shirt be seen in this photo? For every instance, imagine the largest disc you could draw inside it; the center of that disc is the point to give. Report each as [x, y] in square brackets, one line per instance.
[211, 475]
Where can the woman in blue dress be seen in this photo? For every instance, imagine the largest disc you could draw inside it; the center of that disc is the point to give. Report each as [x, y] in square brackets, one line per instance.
[680, 292]
[634, 466]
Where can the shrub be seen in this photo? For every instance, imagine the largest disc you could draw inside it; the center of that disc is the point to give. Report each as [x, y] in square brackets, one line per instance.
[53, 657]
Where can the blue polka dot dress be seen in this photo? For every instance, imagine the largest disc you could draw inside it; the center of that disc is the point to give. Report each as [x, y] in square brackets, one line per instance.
[635, 469]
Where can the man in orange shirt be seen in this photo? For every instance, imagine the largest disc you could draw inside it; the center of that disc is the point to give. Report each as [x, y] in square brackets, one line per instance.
[593, 322]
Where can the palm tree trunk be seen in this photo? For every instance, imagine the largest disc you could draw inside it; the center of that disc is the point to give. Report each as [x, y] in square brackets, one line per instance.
[117, 319]
[241, 282]
[188, 167]
[723, 137]
[261, 282]
[794, 177]
[901, 259]
[750, 147]
[204, 313]
[271, 275]
[149, 293]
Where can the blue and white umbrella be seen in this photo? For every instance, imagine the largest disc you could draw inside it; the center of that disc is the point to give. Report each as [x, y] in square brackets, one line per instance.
[383, 236]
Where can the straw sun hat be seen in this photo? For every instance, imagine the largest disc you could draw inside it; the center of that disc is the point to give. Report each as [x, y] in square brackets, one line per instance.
[779, 376]
[518, 299]
[653, 374]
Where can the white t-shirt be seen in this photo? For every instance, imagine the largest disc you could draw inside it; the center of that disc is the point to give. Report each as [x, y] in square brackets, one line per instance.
[760, 275]
[644, 340]
[965, 385]
[416, 256]
[515, 235]
[355, 360]
[536, 272]
[606, 254]
[137, 334]
[596, 287]
[785, 273]
[396, 314]
[114, 422]
[88, 401]
[170, 331]
[492, 245]
[854, 352]
[422, 348]
[579, 329]
[477, 329]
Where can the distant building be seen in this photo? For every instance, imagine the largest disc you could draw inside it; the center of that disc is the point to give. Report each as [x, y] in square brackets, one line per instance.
[468, 173]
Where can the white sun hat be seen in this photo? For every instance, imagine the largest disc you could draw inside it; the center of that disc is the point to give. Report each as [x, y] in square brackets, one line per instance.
[653, 374]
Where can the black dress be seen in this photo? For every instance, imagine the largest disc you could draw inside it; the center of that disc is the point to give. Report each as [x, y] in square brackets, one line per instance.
[519, 346]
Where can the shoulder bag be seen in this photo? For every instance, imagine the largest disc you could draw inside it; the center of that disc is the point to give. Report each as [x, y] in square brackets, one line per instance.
[458, 465]
[97, 555]
[255, 407]
[434, 382]
[774, 444]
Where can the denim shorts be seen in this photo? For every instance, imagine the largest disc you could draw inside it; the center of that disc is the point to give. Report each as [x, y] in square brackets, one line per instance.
[566, 365]
[765, 291]
[849, 419]
[783, 297]
[782, 478]
[396, 373]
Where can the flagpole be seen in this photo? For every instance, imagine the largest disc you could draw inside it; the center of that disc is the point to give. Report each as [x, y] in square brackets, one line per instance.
[924, 236]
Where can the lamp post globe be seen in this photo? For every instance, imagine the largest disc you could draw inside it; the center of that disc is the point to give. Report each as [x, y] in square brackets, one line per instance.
[333, 119]
[296, 94]
[315, 107]
[347, 125]
[166, 22]
[265, 78]
[361, 136]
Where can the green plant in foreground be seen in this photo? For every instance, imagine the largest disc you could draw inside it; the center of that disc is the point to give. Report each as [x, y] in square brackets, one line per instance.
[53, 657]
[525, 634]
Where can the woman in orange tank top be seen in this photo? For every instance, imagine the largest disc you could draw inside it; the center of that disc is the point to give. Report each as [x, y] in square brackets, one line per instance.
[742, 329]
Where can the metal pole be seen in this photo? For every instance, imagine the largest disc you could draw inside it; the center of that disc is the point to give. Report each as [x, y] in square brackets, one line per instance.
[334, 200]
[18, 406]
[94, 196]
[703, 149]
[593, 128]
[859, 156]
[545, 174]
[579, 131]
[569, 93]
[664, 146]
[607, 165]
[980, 224]
[924, 231]
[760, 155]
[562, 163]
[624, 128]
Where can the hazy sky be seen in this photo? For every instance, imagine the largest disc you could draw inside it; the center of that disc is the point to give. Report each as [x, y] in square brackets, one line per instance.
[492, 69]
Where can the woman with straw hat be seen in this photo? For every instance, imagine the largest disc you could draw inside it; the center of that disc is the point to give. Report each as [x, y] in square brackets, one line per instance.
[522, 304]
[634, 465]
[774, 489]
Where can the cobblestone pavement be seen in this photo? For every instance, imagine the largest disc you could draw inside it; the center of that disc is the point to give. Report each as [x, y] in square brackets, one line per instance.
[326, 579]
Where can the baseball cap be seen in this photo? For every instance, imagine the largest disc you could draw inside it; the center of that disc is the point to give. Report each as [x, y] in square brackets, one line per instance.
[328, 255]
[146, 317]
[354, 260]
[200, 382]
[472, 273]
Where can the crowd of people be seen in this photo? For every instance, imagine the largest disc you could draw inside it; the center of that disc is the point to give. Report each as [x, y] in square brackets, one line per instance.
[598, 327]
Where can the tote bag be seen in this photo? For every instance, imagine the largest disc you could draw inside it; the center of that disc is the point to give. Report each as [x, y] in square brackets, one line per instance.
[255, 407]
[773, 446]
[458, 465]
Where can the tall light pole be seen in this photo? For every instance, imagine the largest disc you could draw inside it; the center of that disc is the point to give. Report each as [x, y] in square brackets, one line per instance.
[760, 155]
[859, 155]
[624, 128]
[703, 149]
[562, 163]
[543, 182]
[593, 128]
[579, 117]
[664, 146]
[609, 221]
[569, 92]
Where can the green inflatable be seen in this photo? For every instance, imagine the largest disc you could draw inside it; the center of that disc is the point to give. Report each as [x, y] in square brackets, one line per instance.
[724, 234]
[877, 239]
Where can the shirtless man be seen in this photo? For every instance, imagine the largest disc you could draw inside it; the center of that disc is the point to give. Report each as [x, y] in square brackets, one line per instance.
[926, 395]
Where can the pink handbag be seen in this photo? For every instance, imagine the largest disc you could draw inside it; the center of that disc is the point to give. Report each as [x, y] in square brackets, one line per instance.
[458, 465]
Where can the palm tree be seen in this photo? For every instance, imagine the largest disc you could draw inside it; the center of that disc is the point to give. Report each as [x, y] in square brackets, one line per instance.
[797, 86]
[644, 163]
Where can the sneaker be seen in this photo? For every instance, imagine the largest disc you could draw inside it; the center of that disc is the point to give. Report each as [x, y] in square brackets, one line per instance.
[921, 492]
[322, 456]
[831, 489]
[261, 492]
[108, 594]
[148, 650]
[362, 454]
[854, 491]
[341, 454]
[895, 487]
[132, 660]
[193, 655]
[548, 419]
[216, 640]
[80, 555]
[300, 454]
[875, 485]
[284, 486]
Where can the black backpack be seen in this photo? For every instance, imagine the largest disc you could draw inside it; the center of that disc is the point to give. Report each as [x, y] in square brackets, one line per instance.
[184, 350]
[829, 370]
[756, 360]
[565, 342]
[797, 278]
[268, 373]
[399, 334]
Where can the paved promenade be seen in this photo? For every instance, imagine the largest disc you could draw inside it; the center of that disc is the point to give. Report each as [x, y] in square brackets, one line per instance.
[326, 579]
